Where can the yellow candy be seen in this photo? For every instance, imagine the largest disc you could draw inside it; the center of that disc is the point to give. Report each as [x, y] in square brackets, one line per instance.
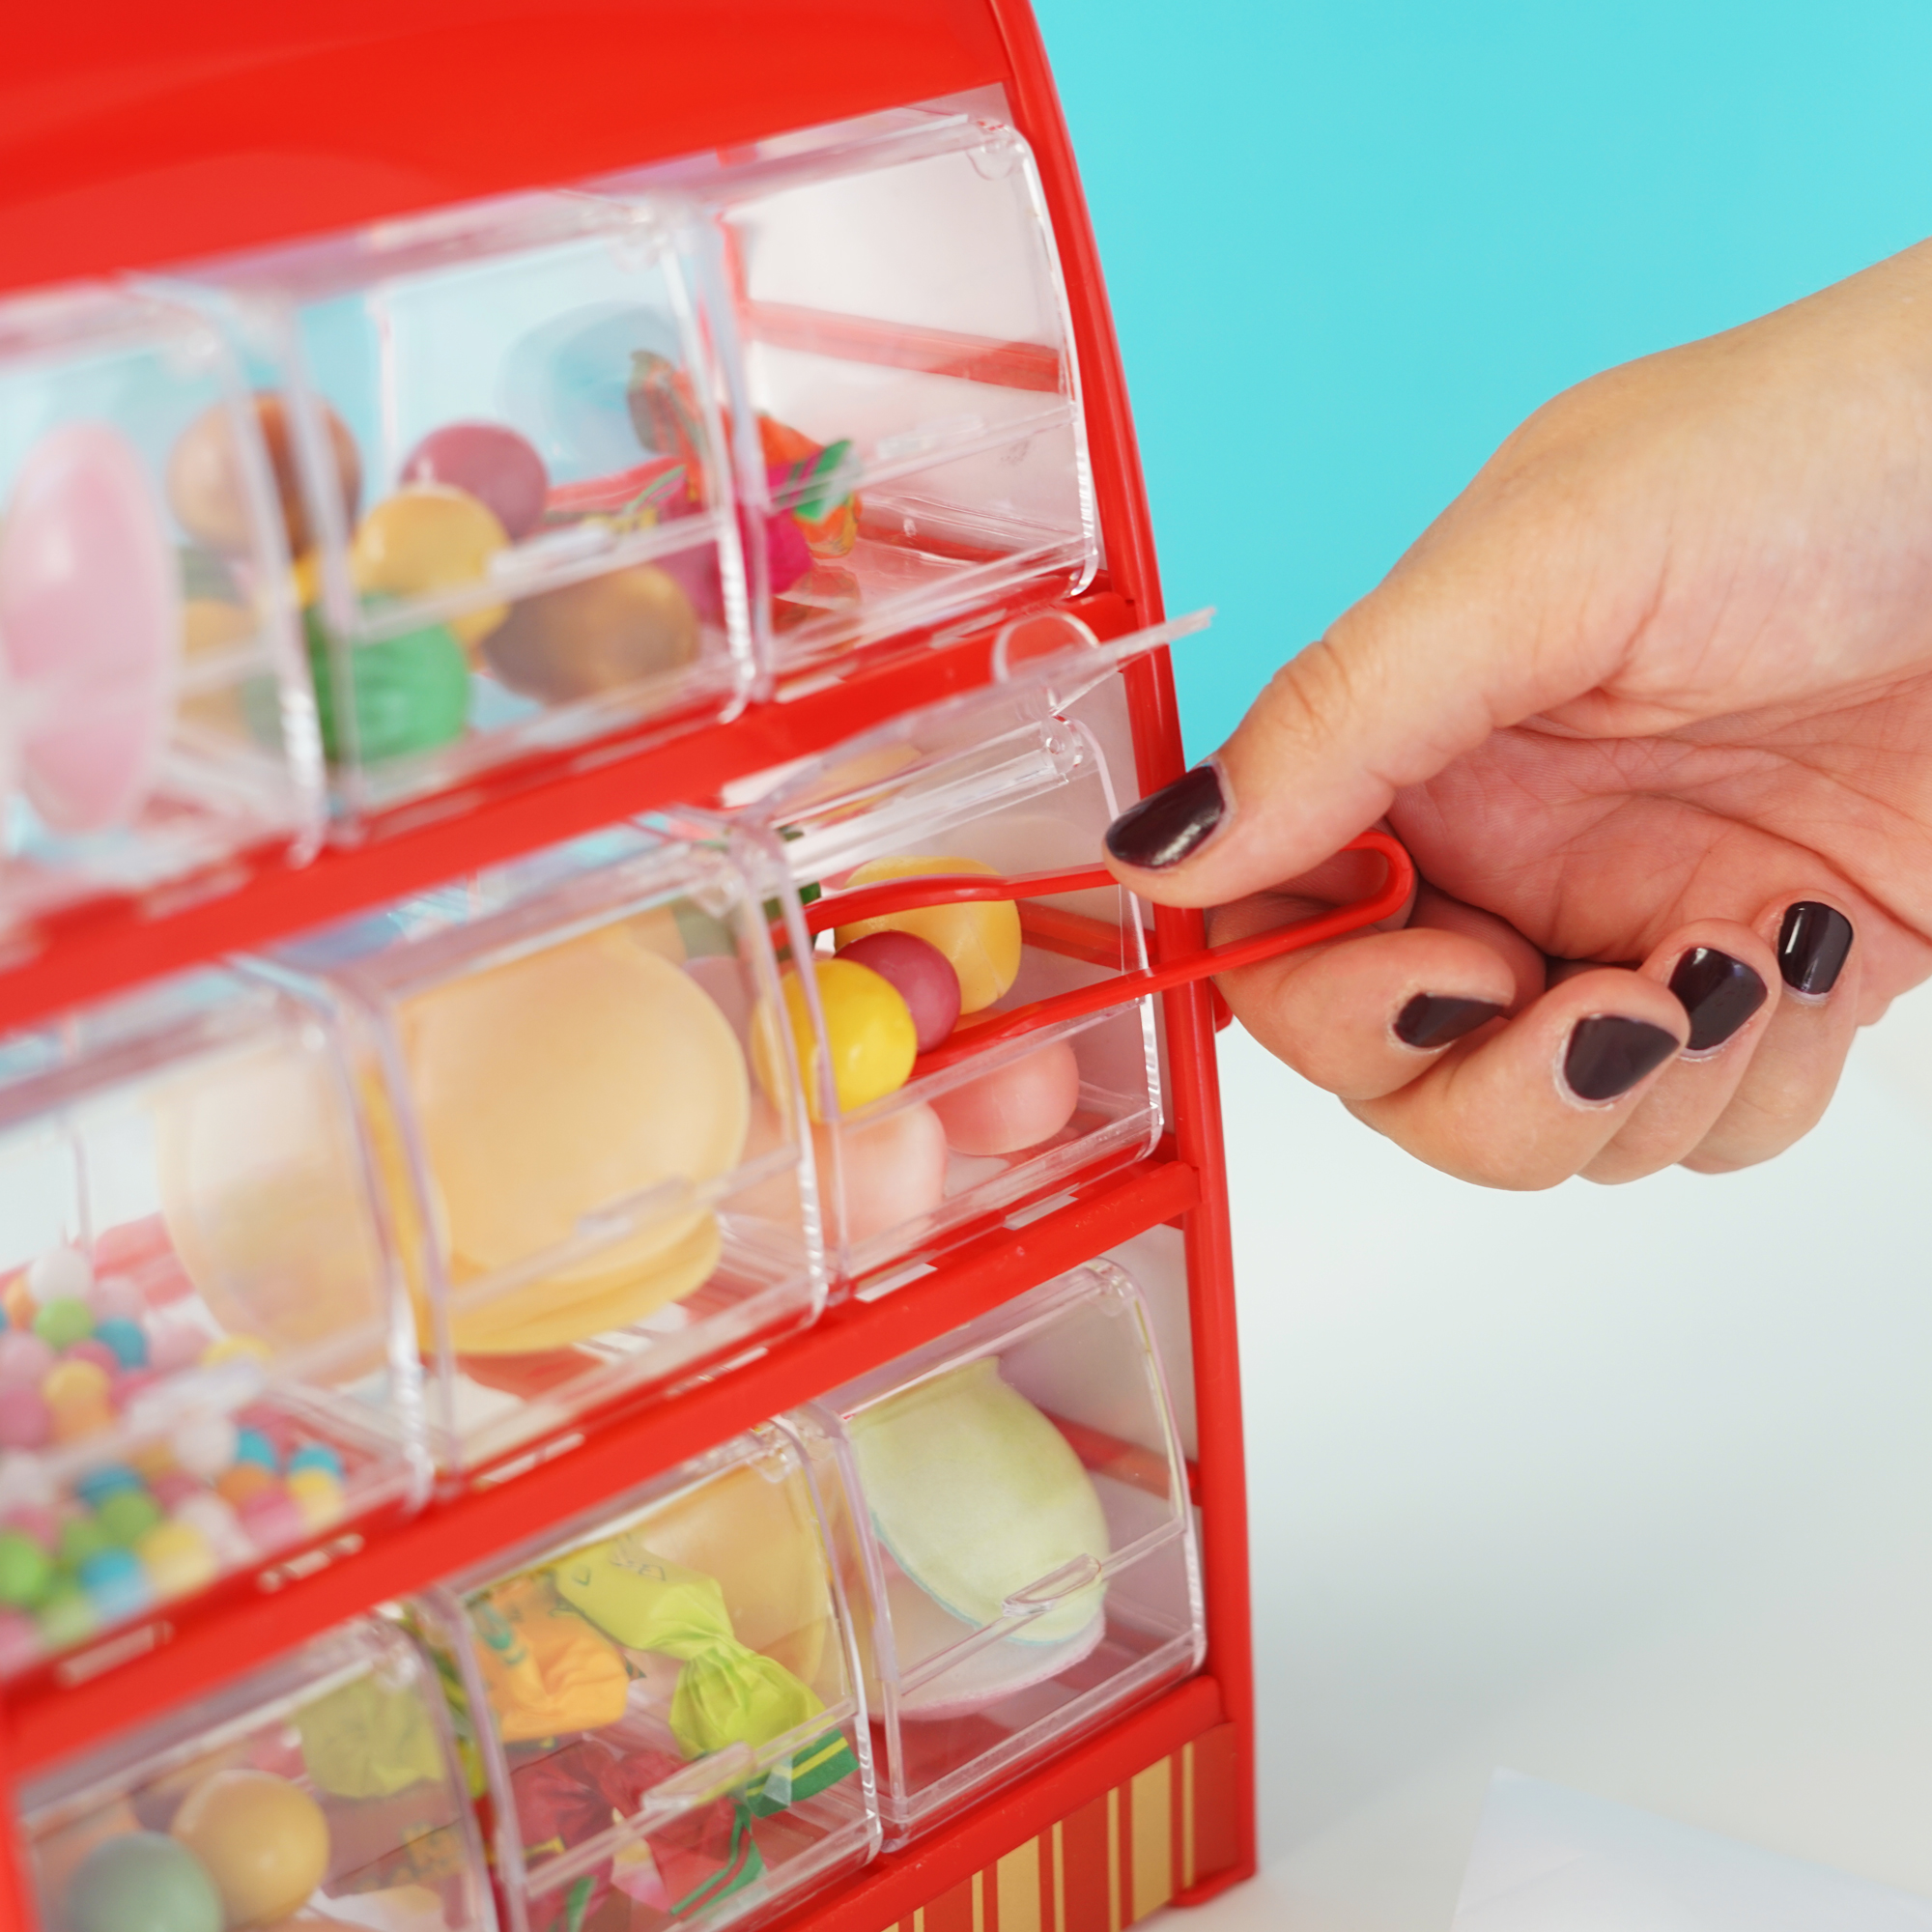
[426, 538]
[264, 1840]
[317, 1494]
[177, 1558]
[868, 1029]
[236, 1349]
[75, 1385]
[18, 1301]
[75, 1419]
[982, 940]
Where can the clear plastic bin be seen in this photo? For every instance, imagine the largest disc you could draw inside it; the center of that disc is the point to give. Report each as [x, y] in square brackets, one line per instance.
[666, 1697]
[324, 1791]
[1011, 781]
[504, 544]
[199, 1367]
[155, 720]
[554, 1060]
[907, 422]
[1019, 1509]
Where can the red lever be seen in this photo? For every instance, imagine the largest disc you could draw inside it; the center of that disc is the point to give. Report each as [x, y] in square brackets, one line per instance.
[892, 896]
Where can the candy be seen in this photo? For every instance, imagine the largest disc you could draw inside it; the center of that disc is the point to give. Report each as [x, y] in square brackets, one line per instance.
[427, 539]
[495, 464]
[116, 1298]
[142, 1882]
[24, 1483]
[72, 1384]
[810, 482]
[549, 1087]
[604, 634]
[318, 1495]
[320, 1456]
[264, 1842]
[128, 1516]
[23, 1357]
[980, 939]
[173, 1343]
[20, 1641]
[243, 1482]
[82, 1537]
[116, 1584]
[204, 1445]
[60, 1274]
[26, 1570]
[82, 1417]
[923, 975]
[26, 1422]
[89, 622]
[66, 1617]
[92, 1349]
[869, 1035]
[235, 1349]
[407, 694]
[252, 1445]
[35, 1521]
[94, 1486]
[216, 1522]
[18, 1300]
[178, 1559]
[172, 1487]
[124, 1338]
[273, 1518]
[207, 488]
[1013, 1106]
[64, 1321]
[890, 1172]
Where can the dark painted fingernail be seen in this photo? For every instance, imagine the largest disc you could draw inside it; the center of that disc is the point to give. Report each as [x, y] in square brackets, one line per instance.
[1812, 946]
[1165, 826]
[1434, 1019]
[1720, 993]
[1607, 1055]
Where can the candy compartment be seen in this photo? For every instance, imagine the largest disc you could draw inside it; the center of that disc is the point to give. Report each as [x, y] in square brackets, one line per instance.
[553, 1063]
[999, 784]
[1016, 1498]
[197, 1368]
[665, 1700]
[915, 445]
[324, 1791]
[154, 718]
[510, 529]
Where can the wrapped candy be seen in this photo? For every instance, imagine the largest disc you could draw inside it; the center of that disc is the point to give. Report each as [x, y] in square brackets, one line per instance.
[368, 1740]
[545, 1670]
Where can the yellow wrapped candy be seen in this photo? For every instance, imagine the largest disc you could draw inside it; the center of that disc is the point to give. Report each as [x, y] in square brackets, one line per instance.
[369, 1739]
[545, 1669]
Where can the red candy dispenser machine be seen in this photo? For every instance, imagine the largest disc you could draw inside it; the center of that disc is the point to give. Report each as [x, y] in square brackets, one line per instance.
[615, 1282]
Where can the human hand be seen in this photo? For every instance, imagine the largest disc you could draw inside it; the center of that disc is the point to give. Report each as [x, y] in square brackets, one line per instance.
[1656, 688]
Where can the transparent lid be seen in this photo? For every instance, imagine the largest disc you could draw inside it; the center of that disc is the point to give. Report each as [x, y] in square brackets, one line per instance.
[666, 1697]
[1020, 1508]
[153, 716]
[510, 528]
[324, 1791]
[197, 1366]
[594, 1170]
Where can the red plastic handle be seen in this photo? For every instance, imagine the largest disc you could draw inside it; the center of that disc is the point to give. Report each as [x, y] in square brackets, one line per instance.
[892, 896]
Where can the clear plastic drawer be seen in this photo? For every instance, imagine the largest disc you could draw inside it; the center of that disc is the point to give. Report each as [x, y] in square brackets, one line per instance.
[155, 716]
[665, 1700]
[500, 547]
[325, 1791]
[907, 421]
[1019, 1508]
[197, 1323]
[554, 1063]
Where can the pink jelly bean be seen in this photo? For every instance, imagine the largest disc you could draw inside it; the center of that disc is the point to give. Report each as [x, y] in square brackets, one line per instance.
[921, 974]
[1014, 1106]
[26, 1422]
[116, 1300]
[23, 1358]
[98, 1354]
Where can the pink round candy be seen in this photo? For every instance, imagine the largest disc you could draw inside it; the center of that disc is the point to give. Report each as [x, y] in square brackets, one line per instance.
[173, 1343]
[35, 1521]
[1013, 1107]
[23, 1358]
[89, 622]
[174, 1489]
[131, 1383]
[26, 1422]
[98, 1353]
[493, 464]
[893, 1170]
[923, 976]
[20, 1641]
[116, 1300]
[272, 1517]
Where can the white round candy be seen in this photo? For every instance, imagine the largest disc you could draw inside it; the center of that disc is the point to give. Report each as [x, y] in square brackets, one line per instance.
[60, 1274]
[204, 1445]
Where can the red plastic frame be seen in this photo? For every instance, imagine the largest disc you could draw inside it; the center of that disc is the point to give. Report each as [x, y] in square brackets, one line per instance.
[134, 136]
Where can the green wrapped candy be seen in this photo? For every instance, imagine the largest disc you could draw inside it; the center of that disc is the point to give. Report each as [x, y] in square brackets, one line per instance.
[142, 1882]
[26, 1570]
[369, 1741]
[411, 694]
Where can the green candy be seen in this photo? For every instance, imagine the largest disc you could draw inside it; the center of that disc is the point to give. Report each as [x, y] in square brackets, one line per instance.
[66, 1617]
[62, 1324]
[142, 1882]
[127, 1515]
[82, 1537]
[410, 693]
[26, 1570]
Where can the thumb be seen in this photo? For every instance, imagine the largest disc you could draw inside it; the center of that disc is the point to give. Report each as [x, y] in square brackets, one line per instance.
[1448, 649]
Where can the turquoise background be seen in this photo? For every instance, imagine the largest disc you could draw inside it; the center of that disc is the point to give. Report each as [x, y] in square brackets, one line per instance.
[1352, 244]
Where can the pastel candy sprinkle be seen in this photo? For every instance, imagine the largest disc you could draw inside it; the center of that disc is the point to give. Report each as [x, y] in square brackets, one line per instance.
[252, 1446]
[317, 1494]
[235, 1349]
[17, 1299]
[116, 1298]
[204, 1445]
[26, 1422]
[123, 1336]
[80, 1538]
[60, 1274]
[116, 1584]
[94, 1349]
[178, 1559]
[94, 1486]
[67, 1617]
[64, 1321]
[173, 1343]
[69, 1382]
[23, 1357]
[37, 1520]
[26, 1571]
[240, 1482]
[212, 1518]
[271, 1516]
[20, 1641]
[173, 1488]
[128, 1515]
[315, 1455]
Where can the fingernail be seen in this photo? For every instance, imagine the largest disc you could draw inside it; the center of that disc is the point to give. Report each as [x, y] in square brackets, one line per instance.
[1812, 946]
[1169, 824]
[1720, 993]
[1434, 1019]
[1607, 1055]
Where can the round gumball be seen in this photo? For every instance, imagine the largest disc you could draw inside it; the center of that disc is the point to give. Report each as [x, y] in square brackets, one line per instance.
[89, 622]
[605, 634]
[980, 939]
[493, 463]
[178, 1559]
[1015, 1106]
[116, 1298]
[60, 1274]
[408, 693]
[142, 1882]
[26, 1570]
[264, 1842]
[26, 1421]
[62, 1323]
[128, 1515]
[92, 1349]
[317, 1494]
[922, 972]
[207, 488]
[871, 1041]
[125, 1340]
[116, 1584]
[23, 1357]
[204, 1445]
[430, 538]
[890, 1172]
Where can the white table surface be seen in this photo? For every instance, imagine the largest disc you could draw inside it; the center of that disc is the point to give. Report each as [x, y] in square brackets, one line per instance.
[1629, 1488]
